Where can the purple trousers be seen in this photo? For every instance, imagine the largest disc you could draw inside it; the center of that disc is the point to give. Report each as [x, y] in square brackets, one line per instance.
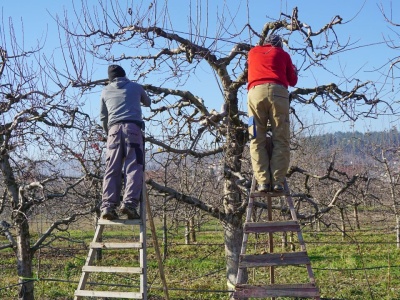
[124, 162]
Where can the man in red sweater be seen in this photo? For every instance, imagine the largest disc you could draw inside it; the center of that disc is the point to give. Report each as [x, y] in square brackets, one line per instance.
[270, 72]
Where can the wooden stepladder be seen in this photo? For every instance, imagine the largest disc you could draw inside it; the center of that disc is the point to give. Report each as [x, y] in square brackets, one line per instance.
[271, 259]
[139, 270]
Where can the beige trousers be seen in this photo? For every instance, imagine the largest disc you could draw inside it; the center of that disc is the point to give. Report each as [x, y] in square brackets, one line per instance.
[269, 102]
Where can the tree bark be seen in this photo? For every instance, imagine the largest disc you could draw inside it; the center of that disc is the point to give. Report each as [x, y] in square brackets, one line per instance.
[233, 227]
[22, 250]
[342, 219]
[192, 230]
[187, 232]
[232, 250]
[24, 260]
[398, 231]
[284, 241]
[356, 217]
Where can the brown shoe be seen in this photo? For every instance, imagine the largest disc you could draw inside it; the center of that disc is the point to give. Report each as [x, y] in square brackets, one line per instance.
[130, 212]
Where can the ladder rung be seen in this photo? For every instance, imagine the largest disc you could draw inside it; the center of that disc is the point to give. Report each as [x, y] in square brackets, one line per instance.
[103, 269]
[119, 222]
[276, 290]
[125, 295]
[273, 259]
[270, 194]
[101, 245]
[278, 226]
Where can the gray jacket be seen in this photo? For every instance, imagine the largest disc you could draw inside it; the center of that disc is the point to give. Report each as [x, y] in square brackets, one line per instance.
[120, 101]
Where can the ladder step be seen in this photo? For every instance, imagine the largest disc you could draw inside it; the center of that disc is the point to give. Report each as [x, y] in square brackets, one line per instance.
[101, 245]
[276, 290]
[273, 259]
[106, 294]
[270, 194]
[103, 269]
[277, 226]
[119, 222]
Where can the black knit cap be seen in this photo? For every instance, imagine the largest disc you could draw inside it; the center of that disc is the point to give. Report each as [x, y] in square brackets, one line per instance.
[274, 40]
[115, 71]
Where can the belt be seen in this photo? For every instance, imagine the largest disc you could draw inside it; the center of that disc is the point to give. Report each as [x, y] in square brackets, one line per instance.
[138, 123]
[269, 83]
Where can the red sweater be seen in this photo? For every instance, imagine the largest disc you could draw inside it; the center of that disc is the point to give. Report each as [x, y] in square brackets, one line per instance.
[268, 64]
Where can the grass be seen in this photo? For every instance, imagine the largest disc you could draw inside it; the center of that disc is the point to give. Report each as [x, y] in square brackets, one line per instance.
[363, 265]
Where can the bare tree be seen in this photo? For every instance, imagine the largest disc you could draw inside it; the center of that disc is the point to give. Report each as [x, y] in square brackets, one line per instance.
[45, 141]
[171, 57]
[392, 43]
[387, 159]
[389, 156]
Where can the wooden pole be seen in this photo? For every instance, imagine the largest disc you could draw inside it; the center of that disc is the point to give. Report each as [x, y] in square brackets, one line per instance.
[271, 240]
[269, 147]
[156, 247]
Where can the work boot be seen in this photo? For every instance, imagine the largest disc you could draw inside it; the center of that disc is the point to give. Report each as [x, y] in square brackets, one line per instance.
[278, 187]
[108, 213]
[130, 212]
[263, 188]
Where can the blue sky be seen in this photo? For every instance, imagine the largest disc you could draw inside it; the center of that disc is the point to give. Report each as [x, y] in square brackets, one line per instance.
[366, 27]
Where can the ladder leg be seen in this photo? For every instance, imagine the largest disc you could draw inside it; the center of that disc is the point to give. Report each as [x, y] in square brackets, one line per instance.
[271, 241]
[239, 277]
[142, 238]
[289, 201]
[157, 249]
[89, 260]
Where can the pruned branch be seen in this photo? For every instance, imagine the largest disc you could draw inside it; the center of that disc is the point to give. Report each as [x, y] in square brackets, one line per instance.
[213, 211]
[170, 149]
[5, 230]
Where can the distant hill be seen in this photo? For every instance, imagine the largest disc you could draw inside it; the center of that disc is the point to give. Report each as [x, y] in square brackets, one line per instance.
[357, 142]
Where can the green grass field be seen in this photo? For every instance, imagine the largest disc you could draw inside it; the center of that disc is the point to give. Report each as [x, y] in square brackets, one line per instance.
[363, 265]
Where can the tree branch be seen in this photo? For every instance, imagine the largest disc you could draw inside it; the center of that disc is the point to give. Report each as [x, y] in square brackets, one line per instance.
[213, 211]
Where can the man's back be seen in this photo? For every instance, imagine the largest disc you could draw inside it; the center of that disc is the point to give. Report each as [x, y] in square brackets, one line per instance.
[268, 64]
[120, 101]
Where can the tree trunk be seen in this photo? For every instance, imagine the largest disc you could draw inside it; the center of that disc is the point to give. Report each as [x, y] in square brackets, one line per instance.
[398, 231]
[284, 241]
[342, 219]
[24, 260]
[356, 217]
[233, 245]
[198, 223]
[234, 146]
[23, 251]
[233, 235]
[192, 230]
[291, 241]
[187, 233]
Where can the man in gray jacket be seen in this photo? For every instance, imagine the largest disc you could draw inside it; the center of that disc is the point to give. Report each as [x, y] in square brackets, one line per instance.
[121, 117]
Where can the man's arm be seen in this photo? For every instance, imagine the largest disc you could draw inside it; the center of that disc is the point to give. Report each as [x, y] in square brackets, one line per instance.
[104, 115]
[145, 99]
[291, 73]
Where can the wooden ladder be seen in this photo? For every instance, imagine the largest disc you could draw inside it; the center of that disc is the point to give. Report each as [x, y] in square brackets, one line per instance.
[141, 271]
[271, 260]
